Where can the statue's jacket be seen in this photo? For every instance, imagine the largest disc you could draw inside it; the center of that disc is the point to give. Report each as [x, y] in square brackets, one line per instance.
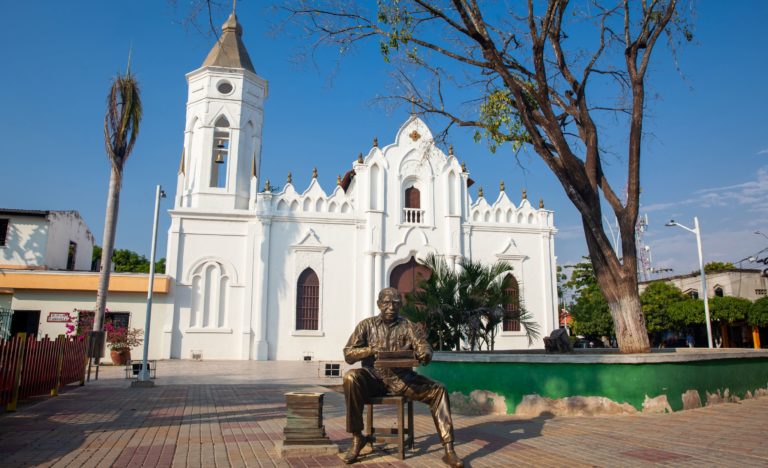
[373, 334]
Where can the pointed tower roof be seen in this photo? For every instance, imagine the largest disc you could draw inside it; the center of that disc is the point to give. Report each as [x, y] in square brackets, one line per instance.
[229, 50]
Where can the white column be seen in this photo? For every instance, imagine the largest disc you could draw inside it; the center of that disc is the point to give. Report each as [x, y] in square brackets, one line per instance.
[252, 255]
[173, 310]
[368, 286]
[377, 282]
[261, 345]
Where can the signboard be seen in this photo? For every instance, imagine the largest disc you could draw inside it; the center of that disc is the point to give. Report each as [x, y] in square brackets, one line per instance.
[62, 317]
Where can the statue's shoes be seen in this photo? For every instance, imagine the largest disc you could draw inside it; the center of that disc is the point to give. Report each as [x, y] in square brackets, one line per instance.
[451, 459]
[358, 442]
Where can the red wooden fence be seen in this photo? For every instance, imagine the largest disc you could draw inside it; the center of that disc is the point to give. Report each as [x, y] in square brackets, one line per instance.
[29, 367]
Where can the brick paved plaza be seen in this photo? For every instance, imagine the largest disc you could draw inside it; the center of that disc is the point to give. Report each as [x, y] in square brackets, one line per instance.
[232, 413]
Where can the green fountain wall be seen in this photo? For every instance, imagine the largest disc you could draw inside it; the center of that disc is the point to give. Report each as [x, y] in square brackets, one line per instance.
[618, 381]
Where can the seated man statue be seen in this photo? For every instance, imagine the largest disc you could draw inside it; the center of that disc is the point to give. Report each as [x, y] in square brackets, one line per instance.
[390, 332]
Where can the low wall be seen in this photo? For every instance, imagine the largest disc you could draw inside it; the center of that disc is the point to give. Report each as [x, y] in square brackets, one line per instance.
[713, 374]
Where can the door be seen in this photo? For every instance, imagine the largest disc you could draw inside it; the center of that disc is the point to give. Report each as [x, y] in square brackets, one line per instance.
[25, 321]
[406, 277]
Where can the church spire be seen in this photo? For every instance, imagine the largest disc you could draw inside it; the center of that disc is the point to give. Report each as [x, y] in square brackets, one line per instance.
[229, 50]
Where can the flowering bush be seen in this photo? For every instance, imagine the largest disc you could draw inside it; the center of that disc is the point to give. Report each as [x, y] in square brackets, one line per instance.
[123, 337]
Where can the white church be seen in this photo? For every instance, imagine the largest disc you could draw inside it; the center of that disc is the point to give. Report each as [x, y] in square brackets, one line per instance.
[286, 275]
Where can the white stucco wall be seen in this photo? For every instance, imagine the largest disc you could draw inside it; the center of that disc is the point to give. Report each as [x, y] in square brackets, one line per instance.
[66, 227]
[26, 243]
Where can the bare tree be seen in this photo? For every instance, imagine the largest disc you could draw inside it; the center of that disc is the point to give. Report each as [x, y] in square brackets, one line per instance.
[530, 78]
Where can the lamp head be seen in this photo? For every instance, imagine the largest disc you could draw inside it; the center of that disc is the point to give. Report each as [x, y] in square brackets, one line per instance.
[671, 223]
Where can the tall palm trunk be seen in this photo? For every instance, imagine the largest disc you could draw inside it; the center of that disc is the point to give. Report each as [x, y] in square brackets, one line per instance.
[121, 127]
[108, 243]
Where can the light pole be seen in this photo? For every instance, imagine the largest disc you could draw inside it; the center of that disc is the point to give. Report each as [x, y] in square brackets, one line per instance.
[144, 376]
[697, 231]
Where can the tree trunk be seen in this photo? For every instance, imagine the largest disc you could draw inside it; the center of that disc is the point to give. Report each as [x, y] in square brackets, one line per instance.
[108, 245]
[618, 283]
[628, 319]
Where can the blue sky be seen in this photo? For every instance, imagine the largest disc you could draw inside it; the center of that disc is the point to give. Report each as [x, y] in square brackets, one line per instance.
[705, 155]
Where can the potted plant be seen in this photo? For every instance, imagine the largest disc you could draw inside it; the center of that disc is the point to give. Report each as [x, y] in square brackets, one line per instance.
[120, 341]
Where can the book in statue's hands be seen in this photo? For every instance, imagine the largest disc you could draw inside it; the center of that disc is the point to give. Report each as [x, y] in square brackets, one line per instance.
[392, 359]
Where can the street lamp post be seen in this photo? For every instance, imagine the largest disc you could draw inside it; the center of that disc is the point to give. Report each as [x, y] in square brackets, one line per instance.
[144, 376]
[696, 230]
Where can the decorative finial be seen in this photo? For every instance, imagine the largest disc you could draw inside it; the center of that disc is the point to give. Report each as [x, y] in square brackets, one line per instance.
[375, 142]
[289, 180]
[463, 166]
[338, 179]
[360, 158]
[480, 193]
[525, 194]
[541, 203]
[501, 186]
[267, 187]
[450, 150]
[314, 173]
[234, 5]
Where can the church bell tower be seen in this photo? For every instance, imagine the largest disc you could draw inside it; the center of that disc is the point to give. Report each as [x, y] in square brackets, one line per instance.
[222, 138]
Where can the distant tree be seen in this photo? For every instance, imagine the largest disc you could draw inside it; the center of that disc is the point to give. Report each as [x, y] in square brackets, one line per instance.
[128, 261]
[657, 298]
[758, 313]
[121, 128]
[539, 75]
[685, 313]
[717, 266]
[729, 309]
[590, 312]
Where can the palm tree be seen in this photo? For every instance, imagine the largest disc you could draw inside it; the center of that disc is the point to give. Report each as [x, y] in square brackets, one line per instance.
[434, 303]
[121, 127]
[467, 303]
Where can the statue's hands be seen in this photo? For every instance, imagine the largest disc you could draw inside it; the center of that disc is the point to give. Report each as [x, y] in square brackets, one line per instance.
[424, 358]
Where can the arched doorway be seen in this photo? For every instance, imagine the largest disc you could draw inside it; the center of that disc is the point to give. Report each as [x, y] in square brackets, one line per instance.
[406, 277]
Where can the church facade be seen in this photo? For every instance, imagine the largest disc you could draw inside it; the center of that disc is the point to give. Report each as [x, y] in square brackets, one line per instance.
[286, 275]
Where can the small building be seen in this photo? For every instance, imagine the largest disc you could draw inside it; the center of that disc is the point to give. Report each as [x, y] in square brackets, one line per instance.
[737, 282]
[45, 278]
[750, 284]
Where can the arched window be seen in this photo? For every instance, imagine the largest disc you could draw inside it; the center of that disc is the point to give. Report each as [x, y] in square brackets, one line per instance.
[308, 301]
[692, 293]
[406, 277]
[412, 211]
[719, 291]
[512, 309]
[220, 153]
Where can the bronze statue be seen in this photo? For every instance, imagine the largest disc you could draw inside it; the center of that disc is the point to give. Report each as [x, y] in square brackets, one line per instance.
[389, 332]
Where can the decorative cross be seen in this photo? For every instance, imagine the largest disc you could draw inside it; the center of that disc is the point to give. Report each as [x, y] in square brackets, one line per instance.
[414, 135]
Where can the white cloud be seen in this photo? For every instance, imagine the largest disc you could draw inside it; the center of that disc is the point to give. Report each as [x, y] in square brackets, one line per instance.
[751, 195]
[765, 151]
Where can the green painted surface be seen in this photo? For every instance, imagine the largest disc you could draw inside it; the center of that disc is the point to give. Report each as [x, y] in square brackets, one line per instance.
[621, 383]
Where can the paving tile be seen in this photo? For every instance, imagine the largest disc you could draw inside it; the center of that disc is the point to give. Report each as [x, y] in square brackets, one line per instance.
[233, 413]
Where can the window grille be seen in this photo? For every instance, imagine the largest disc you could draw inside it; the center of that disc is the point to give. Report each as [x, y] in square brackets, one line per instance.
[512, 309]
[333, 370]
[307, 301]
